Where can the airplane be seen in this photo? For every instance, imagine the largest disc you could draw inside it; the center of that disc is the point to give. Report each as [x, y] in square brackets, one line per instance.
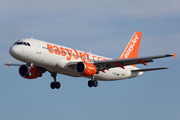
[40, 56]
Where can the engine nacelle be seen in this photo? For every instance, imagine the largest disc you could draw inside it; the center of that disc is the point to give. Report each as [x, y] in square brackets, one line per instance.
[86, 69]
[29, 74]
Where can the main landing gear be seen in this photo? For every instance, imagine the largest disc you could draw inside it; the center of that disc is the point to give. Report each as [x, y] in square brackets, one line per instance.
[92, 82]
[55, 84]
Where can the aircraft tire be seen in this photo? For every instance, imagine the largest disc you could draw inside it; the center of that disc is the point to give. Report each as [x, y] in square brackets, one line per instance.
[53, 85]
[95, 83]
[58, 85]
[90, 83]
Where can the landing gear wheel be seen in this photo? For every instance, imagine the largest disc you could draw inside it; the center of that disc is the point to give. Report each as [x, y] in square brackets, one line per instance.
[90, 83]
[58, 85]
[53, 85]
[95, 83]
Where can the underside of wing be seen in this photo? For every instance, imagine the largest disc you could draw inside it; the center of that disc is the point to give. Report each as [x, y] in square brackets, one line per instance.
[10, 64]
[151, 69]
[13, 64]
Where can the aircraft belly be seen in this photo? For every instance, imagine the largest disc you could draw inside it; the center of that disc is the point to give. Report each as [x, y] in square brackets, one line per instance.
[113, 74]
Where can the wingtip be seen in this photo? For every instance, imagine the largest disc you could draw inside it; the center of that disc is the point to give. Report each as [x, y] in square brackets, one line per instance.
[8, 64]
[175, 55]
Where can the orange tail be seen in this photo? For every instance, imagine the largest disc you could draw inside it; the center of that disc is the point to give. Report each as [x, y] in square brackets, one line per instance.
[132, 49]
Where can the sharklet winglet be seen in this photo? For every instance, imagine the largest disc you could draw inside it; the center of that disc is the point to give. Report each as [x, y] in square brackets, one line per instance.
[175, 55]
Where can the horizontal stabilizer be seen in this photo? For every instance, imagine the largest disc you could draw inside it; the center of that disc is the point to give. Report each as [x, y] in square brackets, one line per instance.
[151, 69]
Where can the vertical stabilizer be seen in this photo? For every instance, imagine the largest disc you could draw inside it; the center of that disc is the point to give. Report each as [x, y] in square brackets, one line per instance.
[132, 49]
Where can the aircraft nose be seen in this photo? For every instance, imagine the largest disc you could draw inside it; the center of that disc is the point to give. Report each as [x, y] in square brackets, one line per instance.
[13, 50]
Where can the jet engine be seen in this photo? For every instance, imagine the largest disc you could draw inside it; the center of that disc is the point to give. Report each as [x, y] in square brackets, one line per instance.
[86, 69]
[29, 73]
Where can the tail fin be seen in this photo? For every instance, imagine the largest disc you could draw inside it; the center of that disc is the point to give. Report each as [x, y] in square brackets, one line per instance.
[132, 49]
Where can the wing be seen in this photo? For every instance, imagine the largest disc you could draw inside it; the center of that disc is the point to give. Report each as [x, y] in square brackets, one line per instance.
[151, 69]
[130, 61]
[107, 64]
[10, 64]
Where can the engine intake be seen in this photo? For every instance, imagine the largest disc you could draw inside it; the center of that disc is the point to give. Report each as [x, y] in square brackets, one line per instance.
[86, 69]
[29, 74]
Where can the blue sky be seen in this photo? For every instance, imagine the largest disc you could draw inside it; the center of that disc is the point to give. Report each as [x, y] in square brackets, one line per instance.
[102, 27]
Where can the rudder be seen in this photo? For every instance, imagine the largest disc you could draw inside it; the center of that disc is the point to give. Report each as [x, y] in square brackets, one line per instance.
[132, 49]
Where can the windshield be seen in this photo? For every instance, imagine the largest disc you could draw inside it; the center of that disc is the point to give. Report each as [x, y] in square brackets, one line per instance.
[22, 43]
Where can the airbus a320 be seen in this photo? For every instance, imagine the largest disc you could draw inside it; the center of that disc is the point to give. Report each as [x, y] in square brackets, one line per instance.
[40, 56]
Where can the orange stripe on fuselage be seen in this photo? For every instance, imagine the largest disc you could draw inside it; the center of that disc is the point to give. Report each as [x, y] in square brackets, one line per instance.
[68, 53]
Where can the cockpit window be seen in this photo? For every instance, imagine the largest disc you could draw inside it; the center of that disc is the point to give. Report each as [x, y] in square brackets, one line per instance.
[28, 44]
[22, 43]
[19, 43]
[15, 43]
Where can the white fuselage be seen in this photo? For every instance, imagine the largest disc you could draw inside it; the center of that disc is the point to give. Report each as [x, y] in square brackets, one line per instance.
[56, 58]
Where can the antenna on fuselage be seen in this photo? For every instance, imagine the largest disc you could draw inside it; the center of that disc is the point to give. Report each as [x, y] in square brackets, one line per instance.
[32, 37]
